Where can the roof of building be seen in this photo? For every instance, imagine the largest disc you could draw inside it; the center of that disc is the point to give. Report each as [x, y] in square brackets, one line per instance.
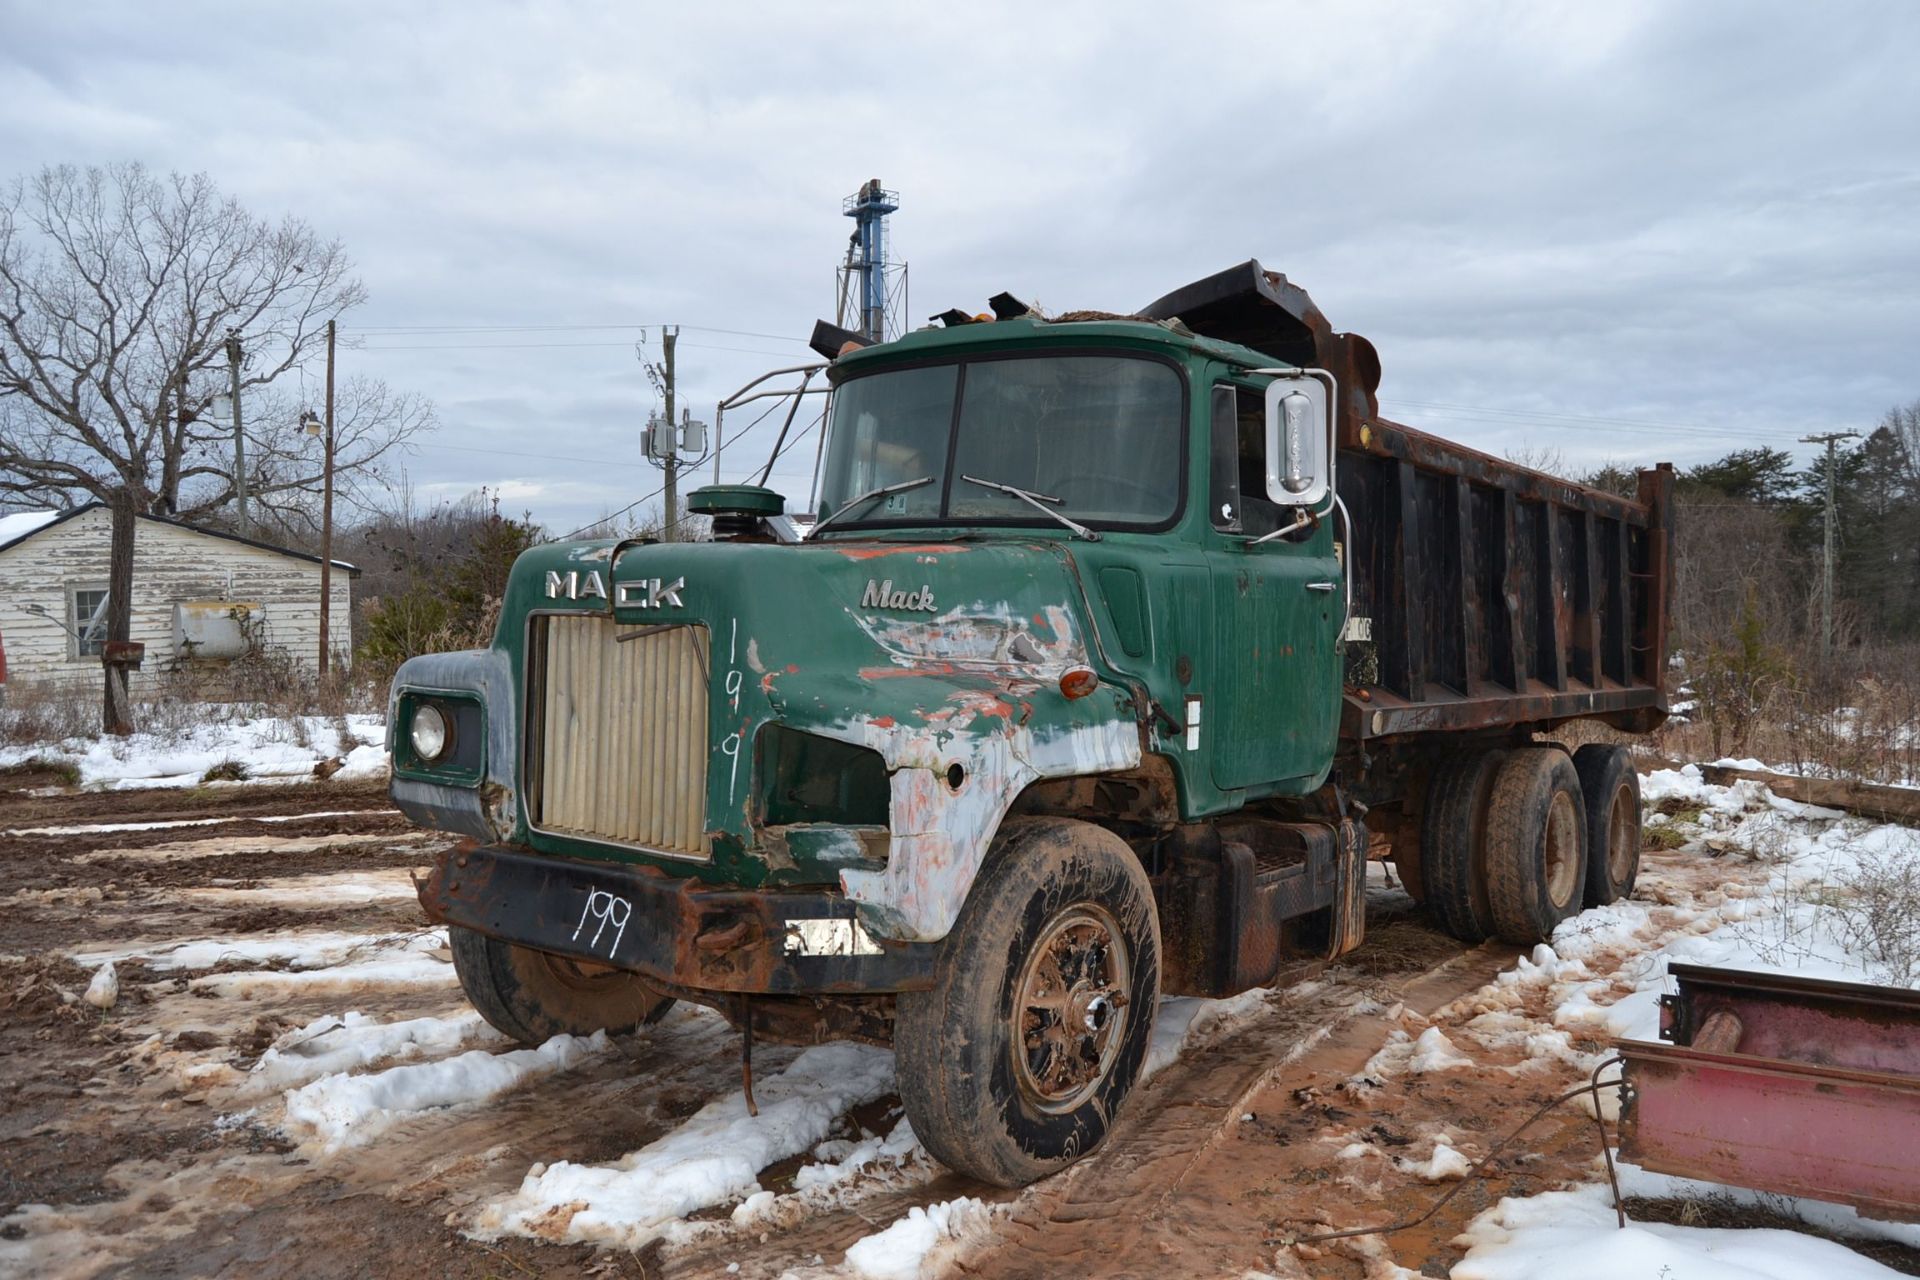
[21, 523]
[17, 528]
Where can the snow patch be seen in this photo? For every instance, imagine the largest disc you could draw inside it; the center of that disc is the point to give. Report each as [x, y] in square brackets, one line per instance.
[338, 1044]
[340, 1110]
[1572, 1235]
[900, 1252]
[269, 746]
[714, 1157]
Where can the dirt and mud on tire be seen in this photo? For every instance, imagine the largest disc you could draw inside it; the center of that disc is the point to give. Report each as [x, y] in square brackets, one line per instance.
[1453, 844]
[532, 996]
[1015, 1064]
[1536, 844]
[1611, 787]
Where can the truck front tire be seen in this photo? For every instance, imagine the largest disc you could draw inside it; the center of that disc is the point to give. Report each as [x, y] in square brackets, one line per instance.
[1014, 1065]
[532, 996]
[1611, 787]
[1536, 844]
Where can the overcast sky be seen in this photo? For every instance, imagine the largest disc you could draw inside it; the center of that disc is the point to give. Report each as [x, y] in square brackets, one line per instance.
[1623, 231]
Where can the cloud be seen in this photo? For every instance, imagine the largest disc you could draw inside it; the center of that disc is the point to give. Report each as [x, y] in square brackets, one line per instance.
[1691, 215]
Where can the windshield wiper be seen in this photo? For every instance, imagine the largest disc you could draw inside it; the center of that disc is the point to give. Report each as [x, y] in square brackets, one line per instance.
[869, 496]
[1038, 502]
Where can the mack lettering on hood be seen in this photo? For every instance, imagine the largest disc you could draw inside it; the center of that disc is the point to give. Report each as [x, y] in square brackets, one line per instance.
[881, 595]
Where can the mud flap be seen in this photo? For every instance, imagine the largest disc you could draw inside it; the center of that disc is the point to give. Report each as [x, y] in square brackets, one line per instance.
[1241, 902]
[1348, 926]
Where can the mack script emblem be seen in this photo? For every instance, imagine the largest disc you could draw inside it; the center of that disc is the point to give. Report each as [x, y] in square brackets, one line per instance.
[881, 595]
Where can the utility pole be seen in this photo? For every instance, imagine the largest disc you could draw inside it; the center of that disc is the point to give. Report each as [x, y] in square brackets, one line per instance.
[1826, 589]
[326, 514]
[668, 532]
[239, 441]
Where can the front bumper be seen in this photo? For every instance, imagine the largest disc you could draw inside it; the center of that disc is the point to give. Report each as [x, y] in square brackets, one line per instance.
[675, 930]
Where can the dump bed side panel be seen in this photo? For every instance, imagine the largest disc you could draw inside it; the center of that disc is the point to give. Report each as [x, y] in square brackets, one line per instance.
[1496, 595]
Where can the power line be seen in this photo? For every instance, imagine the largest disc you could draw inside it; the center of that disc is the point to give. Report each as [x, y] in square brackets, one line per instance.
[534, 346]
[541, 457]
[558, 328]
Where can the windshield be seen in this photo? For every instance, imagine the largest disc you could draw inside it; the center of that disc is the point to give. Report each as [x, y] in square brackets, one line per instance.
[1100, 433]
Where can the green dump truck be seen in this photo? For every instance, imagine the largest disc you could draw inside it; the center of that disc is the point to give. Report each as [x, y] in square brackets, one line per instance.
[1119, 644]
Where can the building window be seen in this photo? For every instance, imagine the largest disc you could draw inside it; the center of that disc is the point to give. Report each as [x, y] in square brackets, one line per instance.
[87, 619]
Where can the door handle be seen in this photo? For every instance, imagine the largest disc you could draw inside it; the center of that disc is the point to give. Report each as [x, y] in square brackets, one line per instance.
[1321, 586]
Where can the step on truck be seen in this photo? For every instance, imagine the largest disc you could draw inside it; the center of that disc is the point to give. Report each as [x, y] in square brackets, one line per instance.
[1118, 644]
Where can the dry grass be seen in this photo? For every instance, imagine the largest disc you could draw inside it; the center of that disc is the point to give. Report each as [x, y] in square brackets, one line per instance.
[172, 704]
[1858, 717]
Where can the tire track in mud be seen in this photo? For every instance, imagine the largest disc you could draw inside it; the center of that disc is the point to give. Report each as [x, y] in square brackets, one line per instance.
[293, 1212]
[1108, 1214]
[1128, 1211]
[160, 804]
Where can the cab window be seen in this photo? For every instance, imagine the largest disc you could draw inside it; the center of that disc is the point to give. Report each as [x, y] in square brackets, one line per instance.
[1239, 501]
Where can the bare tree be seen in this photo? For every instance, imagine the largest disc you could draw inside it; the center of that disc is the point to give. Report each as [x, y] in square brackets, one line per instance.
[118, 292]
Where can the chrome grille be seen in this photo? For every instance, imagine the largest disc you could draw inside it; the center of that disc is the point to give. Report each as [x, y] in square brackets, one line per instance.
[622, 745]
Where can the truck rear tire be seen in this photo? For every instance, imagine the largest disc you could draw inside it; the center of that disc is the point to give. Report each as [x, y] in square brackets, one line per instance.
[1610, 786]
[1014, 1065]
[532, 996]
[1453, 842]
[1536, 844]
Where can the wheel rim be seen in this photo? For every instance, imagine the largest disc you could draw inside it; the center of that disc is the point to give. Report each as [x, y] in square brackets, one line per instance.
[1623, 846]
[1561, 850]
[1070, 1009]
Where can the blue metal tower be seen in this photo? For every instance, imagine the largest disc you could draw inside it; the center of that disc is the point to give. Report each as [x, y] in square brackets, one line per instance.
[871, 287]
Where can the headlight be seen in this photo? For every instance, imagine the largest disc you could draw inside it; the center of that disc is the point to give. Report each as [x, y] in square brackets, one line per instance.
[429, 734]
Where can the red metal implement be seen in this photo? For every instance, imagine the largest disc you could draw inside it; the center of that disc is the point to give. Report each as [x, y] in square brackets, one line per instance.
[1783, 1084]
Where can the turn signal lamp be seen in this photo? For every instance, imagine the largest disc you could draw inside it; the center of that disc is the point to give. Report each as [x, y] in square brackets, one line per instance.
[1078, 682]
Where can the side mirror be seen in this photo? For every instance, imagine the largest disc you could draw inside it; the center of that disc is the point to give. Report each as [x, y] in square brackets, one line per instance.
[1299, 441]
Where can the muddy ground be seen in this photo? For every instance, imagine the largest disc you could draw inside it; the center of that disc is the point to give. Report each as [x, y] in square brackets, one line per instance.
[132, 1128]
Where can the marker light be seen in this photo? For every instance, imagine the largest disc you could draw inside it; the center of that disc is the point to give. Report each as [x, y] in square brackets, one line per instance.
[1078, 682]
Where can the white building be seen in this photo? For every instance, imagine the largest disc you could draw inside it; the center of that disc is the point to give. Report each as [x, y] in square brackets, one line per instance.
[199, 596]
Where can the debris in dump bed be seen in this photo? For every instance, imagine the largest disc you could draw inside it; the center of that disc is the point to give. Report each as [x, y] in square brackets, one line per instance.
[104, 990]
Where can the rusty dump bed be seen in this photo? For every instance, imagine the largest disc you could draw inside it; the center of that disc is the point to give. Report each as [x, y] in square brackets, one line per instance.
[1785, 1084]
[1498, 595]
[1495, 595]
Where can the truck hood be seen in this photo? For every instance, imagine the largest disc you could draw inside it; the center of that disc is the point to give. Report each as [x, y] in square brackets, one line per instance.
[930, 654]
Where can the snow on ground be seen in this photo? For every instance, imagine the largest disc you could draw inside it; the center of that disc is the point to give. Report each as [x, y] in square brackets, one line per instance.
[1572, 1235]
[344, 1110]
[222, 846]
[340, 1044]
[109, 828]
[340, 889]
[297, 949]
[270, 747]
[1792, 918]
[1184, 1022]
[901, 1251]
[712, 1158]
[308, 963]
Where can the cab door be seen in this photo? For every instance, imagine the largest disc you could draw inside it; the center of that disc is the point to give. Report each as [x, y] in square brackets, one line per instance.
[1277, 606]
